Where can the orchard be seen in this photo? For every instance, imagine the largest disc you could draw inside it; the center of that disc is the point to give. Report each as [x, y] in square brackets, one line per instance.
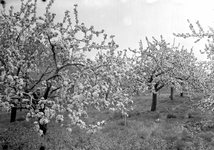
[43, 63]
[44, 69]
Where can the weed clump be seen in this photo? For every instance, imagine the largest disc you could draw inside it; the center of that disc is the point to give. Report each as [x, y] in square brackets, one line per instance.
[170, 115]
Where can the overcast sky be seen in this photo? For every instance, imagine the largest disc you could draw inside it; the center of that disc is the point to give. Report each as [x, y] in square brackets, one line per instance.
[132, 20]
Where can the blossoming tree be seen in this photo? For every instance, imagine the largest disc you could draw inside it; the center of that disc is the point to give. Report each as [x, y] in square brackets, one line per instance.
[206, 67]
[186, 70]
[153, 66]
[43, 65]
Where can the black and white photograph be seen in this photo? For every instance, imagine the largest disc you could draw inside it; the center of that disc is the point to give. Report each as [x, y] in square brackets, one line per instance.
[106, 75]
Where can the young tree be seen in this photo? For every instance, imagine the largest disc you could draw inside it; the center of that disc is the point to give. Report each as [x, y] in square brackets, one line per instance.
[185, 71]
[44, 65]
[153, 66]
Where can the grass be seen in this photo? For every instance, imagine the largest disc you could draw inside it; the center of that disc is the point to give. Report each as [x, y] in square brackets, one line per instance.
[175, 125]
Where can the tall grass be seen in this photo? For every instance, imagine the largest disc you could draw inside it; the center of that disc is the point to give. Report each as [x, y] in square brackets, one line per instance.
[140, 131]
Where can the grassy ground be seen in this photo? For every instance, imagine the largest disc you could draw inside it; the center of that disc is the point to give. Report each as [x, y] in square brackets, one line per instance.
[176, 125]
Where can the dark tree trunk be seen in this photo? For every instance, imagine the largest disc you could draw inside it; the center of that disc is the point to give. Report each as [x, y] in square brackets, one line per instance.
[42, 148]
[43, 128]
[154, 101]
[171, 93]
[13, 114]
[182, 93]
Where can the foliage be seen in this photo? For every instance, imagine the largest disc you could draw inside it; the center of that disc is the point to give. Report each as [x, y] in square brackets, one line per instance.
[44, 66]
[205, 69]
[160, 64]
[151, 65]
[187, 70]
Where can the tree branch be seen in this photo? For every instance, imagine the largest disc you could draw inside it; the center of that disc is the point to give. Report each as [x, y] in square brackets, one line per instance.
[47, 90]
[68, 64]
[19, 68]
[160, 87]
[55, 90]
[53, 50]
[40, 79]
[54, 76]
[162, 72]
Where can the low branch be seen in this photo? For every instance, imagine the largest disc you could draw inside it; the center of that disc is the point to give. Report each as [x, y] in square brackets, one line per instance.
[70, 64]
[160, 87]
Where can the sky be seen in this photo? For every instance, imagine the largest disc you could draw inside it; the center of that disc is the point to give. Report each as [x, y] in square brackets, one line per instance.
[133, 20]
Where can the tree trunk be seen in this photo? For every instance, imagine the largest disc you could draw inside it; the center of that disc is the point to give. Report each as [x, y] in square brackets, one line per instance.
[13, 114]
[154, 101]
[182, 92]
[44, 128]
[42, 148]
[171, 93]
